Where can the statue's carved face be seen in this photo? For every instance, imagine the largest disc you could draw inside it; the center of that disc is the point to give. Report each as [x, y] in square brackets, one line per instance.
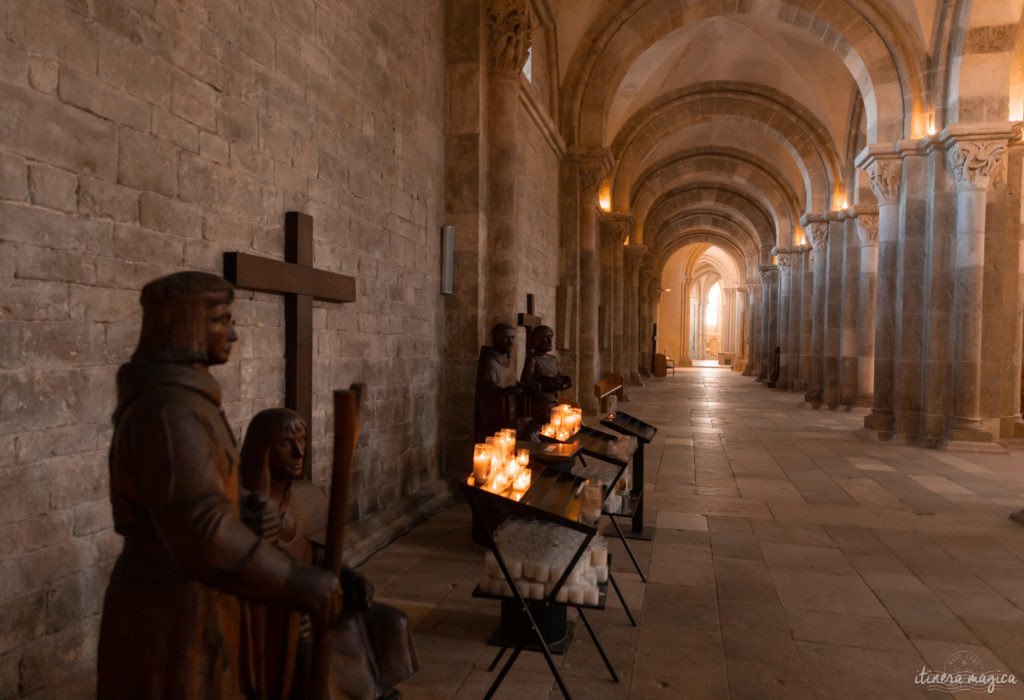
[286, 453]
[220, 333]
[505, 340]
[545, 340]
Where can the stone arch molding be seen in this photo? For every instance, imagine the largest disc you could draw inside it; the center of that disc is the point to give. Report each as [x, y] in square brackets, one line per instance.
[882, 54]
[735, 171]
[748, 106]
[698, 235]
[745, 218]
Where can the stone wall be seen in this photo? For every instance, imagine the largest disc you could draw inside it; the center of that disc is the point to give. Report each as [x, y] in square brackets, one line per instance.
[141, 137]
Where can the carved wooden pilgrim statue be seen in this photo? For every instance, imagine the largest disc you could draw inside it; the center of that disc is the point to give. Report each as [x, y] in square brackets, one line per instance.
[496, 384]
[172, 615]
[541, 371]
[372, 646]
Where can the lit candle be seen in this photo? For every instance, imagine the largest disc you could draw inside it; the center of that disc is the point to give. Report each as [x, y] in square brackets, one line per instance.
[562, 435]
[548, 430]
[522, 480]
[481, 462]
[523, 457]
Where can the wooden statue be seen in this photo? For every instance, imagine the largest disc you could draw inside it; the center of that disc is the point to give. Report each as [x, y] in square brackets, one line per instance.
[541, 372]
[496, 387]
[372, 649]
[173, 610]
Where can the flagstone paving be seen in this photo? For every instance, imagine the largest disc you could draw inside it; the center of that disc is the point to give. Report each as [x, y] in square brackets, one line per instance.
[791, 559]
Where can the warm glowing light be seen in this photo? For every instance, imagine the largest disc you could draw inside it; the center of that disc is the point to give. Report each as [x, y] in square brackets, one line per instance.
[931, 125]
[605, 200]
[842, 204]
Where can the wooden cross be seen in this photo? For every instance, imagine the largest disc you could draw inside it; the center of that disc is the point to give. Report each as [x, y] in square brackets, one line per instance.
[300, 283]
[529, 319]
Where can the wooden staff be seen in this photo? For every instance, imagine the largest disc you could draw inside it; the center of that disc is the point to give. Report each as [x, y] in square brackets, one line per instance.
[346, 433]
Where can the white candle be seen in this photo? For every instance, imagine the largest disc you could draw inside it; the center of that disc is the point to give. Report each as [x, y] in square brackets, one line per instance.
[591, 596]
[481, 462]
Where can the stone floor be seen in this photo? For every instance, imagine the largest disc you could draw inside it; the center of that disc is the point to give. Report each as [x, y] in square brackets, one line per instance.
[791, 559]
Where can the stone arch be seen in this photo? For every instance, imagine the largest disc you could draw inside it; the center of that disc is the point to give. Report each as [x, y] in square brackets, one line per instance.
[699, 230]
[720, 203]
[735, 169]
[798, 131]
[758, 206]
[986, 54]
[881, 54]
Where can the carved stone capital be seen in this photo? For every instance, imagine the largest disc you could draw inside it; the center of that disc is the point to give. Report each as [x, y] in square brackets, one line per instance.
[616, 227]
[509, 23]
[591, 175]
[635, 253]
[971, 162]
[817, 234]
[765, 273]
[886, 177]
[867, 230]
[753, 288]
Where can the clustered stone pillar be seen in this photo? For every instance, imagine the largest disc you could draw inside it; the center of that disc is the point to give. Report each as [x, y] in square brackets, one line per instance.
[646, 320]
[685, 286]
[754, 328]
[634, 255]
[508, 23]
[742, 340]
[591, 172]
[970, 162]
[767, 337]
[789, 315]
[806, 316]
[619, 365]
[867, 229]
[817, 233]
[886, 177]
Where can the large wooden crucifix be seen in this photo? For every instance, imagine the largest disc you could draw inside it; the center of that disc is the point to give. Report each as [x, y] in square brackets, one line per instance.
[300, 283]
[529, 320]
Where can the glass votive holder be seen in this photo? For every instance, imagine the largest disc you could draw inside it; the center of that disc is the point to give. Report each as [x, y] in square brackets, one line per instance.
[481, 461]
[523, 457]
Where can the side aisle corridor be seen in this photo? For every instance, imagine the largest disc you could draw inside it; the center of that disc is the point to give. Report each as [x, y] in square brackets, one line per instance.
[791, 559]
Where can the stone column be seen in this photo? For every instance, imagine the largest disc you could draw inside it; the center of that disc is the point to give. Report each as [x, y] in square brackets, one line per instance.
[753, 328]
[970, 161]
[654, 298]
[767, 344]
[685, 284]
[832, 349]
[816, 228]
[742, 341]
[867, 229]
[508, 23]
[618, 312]
[644, 329]
[615, 227]
[591, 171]
[633, 257]
[785, 264]
[886, 177]
[848, 349]
[728, 320]
[806, 315]
[796, 275]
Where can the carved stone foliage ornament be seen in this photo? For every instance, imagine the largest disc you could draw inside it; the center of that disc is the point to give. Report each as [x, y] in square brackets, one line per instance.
[766, 277]
[867, 229]
[886, 178]
[817, 234]
[591, 175]
[616, 229]
[753, 288]
[971, 162]
[509, 23]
